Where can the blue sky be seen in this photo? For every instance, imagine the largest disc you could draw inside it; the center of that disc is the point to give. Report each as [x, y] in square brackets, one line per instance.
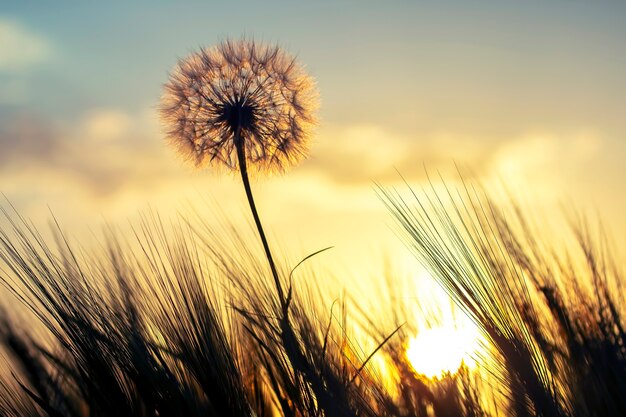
[403, 55]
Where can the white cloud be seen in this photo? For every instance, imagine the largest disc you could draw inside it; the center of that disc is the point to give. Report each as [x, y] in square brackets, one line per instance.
[549, 167]
[542, 155]
[20, 48]
[360, 154]
[106, 125]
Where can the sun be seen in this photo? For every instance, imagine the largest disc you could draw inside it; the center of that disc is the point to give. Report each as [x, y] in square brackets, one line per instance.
[438, 350]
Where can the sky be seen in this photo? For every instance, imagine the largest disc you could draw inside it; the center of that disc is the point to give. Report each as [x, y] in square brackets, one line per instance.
[526, 94]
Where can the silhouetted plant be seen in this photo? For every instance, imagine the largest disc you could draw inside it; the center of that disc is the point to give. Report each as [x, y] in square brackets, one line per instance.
[241, 103]
[556, 326]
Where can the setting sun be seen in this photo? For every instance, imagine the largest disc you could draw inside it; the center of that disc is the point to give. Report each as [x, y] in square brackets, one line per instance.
[435, 351]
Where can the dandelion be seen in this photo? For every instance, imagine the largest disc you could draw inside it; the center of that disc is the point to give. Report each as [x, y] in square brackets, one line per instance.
[241, 103]
[240, 96]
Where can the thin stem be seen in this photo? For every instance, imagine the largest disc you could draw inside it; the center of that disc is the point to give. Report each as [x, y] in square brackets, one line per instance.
[241, 155]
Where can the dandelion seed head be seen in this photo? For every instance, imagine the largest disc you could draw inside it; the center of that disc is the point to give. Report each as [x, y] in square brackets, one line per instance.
[240, 92]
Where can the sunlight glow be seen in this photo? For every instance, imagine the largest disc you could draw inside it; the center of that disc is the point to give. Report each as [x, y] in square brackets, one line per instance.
[435, 351]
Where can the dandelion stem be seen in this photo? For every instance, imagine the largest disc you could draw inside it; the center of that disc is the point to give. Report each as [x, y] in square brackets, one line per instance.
[241, 155]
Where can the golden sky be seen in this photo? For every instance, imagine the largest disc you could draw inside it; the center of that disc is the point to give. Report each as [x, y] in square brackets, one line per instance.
[531, 96]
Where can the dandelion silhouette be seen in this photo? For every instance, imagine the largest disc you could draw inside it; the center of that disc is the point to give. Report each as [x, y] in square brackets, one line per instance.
[238, 104]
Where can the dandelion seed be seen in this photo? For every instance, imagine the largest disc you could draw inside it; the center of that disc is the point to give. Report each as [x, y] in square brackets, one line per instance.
[240, 94]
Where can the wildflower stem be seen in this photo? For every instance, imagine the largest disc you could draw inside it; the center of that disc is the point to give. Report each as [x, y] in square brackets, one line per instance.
[241, 155]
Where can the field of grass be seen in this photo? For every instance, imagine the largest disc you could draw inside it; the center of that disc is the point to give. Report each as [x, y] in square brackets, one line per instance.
[179, 319]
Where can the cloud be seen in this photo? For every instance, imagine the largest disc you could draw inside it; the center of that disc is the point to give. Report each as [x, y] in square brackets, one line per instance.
[544, 157]
[547, 165]
[550, 166]
[112, 161]
[106, 125]
[20, 48]
[25, 139]
[108, 150]
[364, 153]
[105, 151]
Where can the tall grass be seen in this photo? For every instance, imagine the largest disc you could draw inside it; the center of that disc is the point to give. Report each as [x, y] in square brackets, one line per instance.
[176, 322]
[180, 319]
[556, 324]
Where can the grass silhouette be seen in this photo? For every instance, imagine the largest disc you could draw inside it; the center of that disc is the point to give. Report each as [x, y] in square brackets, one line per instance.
[555, 324]
[185, 320]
